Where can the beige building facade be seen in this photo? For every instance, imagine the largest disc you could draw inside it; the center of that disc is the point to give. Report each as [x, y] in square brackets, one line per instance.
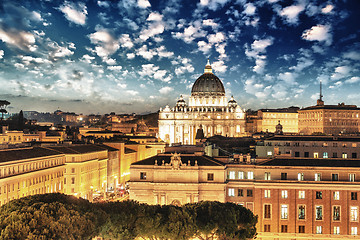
[269, 118]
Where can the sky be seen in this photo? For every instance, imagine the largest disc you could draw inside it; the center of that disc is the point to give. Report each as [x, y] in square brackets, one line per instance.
[137, 56]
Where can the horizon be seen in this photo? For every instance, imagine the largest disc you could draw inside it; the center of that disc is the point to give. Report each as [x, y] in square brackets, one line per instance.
[137, 56]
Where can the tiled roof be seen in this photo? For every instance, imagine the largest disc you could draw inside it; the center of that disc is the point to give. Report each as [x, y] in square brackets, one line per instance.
[315, 138]
[201, 160]
[26, 153]
[129, 150]
[78, 149]
[312, 162]
[338, 107]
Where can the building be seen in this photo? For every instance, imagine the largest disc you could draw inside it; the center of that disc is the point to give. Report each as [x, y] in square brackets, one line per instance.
[329, 119]
[299, 198]
[309, 147]
[208, 109]
[29, 171]
[269, 118]
[177, 179]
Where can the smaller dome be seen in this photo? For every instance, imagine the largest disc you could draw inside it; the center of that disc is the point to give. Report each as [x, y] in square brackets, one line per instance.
[181, 102]
[232, 102]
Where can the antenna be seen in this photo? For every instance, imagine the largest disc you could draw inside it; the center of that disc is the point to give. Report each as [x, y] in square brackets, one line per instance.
[321, 90]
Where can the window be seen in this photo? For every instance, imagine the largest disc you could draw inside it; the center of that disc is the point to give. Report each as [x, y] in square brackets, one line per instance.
[335, 155]
[316, 155]
[284, 228]
[325, 155]
[143, 175]
[318, 213]
[354, 214]
[336, 195]
[301, 194]
[250, 175]
[336, 213]
[231, 192]
[72, 170]
[283, 176]
[72, 180]
[64, 180]
[318, 195]
[317, 176]
[300, 176]
[306, 154]
[210, 177]
[269, 153]
[297, 154]
[354, 155]
[352, 177]
[344, 155]
[301, 211]
[353, 195]
[267, 193]
[301, 229]
[267, 211]
[231, 174]
[319, 229]
[249, 193]
[284, 211]
[336, 230]
[335, 177]
[267, 228]
[353, 230]
[240, 192]
[267, 176]
[284, 194]
[241, 175]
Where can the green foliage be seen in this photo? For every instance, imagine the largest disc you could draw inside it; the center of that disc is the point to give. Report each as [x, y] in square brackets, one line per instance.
[59, 216]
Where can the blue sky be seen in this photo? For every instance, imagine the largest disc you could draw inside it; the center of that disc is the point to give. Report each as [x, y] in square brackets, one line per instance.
[139, 55]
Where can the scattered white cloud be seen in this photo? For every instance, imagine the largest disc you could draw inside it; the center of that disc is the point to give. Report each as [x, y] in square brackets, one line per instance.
[166, 90]
[20, 39]
[132, 92]
[104, 4]
[249, 9]
[125, 41]
[288, 77]
[219, 66]
[211, 23]
[156, 26]
[143, 3]
[327, 9]
[75, 13]
[186, 66]
[152, 71]
[1, 54]
[257, 51]
[213, 4]
[87, 58]
[291, 13]
[319, 33]
[353, 80]
[353, 55]
[106, 44]
[193, 31]
[340, 72]
[130, 55]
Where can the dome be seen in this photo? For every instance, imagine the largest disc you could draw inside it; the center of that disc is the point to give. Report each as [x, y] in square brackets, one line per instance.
[208, 84]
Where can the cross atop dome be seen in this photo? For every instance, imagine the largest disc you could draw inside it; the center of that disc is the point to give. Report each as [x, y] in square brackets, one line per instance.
[208, 68]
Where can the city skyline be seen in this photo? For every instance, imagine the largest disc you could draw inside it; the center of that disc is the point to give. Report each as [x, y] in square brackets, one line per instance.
[139, 55]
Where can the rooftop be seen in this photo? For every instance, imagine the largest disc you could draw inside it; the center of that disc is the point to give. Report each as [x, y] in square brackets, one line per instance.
[312, 162]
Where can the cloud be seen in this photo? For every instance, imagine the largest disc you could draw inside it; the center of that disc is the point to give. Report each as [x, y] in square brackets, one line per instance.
[341, 72]
[130, 55]
[132, 92]
[152, 71]
[154, 28]
[211, 23]
[166, 90]
[104, 4]
[249, 9]
[204, 46]
[60, 51]
[190, 33]
[125, 41]
[353, 55]
[148, 54]
[143, 3]
[353, 80]
[213, 4]
[327, 9]
[319, 33]
[20, 39]
[106, 44]
[186, 66]
[219, 66]
[75, 13]
[291, 13]
[257, 51]
[1, 54]
[288, 77]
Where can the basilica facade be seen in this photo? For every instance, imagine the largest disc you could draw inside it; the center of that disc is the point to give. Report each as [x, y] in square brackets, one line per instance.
[208, 111]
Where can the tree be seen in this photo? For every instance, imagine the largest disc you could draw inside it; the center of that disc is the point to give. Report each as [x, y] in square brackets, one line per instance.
[3, 104]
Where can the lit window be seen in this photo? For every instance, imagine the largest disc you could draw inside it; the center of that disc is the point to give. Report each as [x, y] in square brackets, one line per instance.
[318, 213]
[336, 195]
[316, 155]
[267, 176]
[284, 194]
[284, 211]
[250, 175]
[318, 195]
[301, 211]
[352, 177]
[317, 177]
[336, 213]
[267, 211]
[336, 230]
[241, 175]
[353, 214]
[231, 174]
[267, 193]
[231, 192]
[300, 176]
[269, 153]
[325, 155]
[344, 155]
[353, 230]
[319, 229]
[301, 194]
